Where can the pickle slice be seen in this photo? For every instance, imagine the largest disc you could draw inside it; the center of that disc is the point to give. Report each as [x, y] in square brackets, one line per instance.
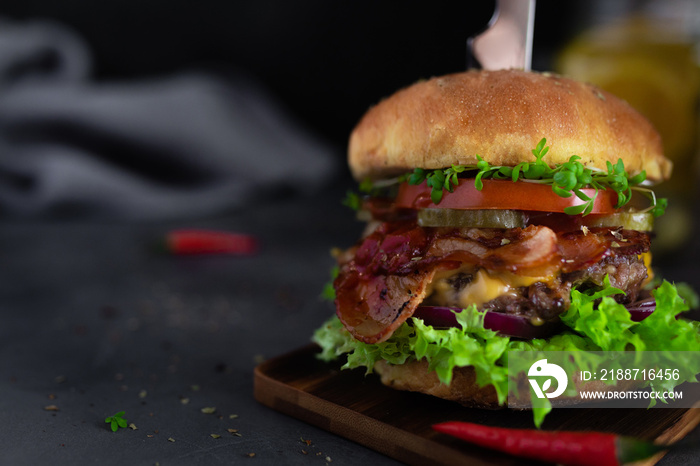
[363, 215]
[471, 218]
[640, 221]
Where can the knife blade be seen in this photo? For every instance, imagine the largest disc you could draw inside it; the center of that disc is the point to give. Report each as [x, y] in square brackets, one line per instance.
[507, 41]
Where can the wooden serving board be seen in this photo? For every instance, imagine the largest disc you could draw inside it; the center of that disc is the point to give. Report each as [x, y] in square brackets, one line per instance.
[397, 424]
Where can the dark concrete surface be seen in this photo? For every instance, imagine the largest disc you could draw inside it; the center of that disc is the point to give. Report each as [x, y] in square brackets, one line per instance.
[95, 321]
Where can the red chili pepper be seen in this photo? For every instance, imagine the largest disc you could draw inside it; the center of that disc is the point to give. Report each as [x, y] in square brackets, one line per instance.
[568, 448]
[190, 241]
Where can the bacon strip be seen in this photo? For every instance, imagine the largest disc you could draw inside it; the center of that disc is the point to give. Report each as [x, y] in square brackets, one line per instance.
[372, 309]
[531, 252]
[384, 278]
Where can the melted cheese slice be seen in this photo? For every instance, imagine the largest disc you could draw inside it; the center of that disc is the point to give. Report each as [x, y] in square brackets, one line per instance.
[646, 257]
[486, 286]
[483, 287]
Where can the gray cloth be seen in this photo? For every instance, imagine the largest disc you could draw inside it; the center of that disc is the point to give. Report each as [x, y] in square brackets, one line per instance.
[191, 144]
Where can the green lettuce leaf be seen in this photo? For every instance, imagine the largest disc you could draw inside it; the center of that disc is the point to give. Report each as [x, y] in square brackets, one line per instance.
[606, 326]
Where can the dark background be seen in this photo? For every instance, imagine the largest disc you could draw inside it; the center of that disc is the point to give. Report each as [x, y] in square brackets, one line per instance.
[326, 61]
[95, 321]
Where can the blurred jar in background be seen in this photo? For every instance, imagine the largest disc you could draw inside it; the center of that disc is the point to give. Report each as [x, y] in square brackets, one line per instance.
[651, 61]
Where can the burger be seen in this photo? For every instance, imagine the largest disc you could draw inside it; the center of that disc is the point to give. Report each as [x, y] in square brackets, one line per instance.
[506, 210]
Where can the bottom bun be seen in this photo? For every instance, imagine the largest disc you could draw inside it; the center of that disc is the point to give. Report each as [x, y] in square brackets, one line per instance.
[416, 376]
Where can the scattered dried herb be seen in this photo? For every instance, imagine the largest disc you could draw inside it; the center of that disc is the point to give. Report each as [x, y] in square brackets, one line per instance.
[209, 410]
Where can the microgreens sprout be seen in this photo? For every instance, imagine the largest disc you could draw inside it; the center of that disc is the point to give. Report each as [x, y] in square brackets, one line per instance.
[657, 206]
[328, 292]
[116, 421]
[354, 200]
[438, 180]
[566, 179]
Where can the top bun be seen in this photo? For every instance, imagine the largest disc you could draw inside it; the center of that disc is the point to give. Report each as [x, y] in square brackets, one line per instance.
[502, 115]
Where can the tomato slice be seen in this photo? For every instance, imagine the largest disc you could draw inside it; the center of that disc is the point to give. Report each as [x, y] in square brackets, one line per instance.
[502, 194]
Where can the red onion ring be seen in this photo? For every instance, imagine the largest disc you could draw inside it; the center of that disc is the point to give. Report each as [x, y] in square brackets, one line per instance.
[641, 309]
[517, 326]
[505, 324]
